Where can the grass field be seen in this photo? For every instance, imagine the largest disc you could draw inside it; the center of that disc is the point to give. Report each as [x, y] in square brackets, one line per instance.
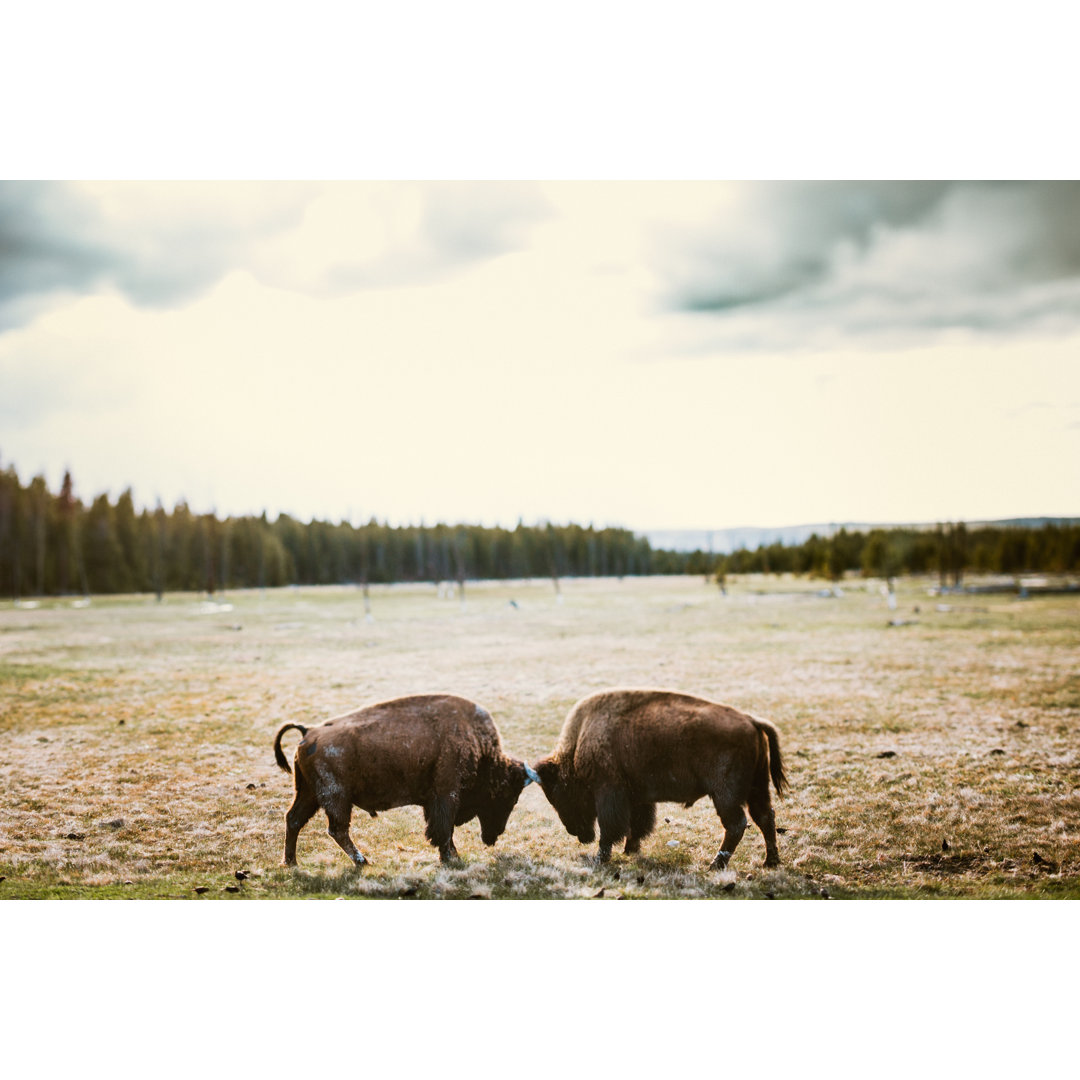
[938, 758]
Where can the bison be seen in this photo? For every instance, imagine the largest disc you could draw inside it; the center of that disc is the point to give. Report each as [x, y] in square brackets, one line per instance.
[621, 752]
[432, 750]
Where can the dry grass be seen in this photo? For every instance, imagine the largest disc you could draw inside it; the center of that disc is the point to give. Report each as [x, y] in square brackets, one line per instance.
[135, 738]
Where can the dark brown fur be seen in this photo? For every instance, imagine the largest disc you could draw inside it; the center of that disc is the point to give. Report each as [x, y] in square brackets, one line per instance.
[623, 751]
[436, 751]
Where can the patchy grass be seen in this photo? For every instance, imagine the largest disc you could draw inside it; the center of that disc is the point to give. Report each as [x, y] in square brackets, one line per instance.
[938, 758]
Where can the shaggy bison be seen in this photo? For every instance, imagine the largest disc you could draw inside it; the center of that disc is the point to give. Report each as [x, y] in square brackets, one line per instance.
[623, 751]
[432, 750]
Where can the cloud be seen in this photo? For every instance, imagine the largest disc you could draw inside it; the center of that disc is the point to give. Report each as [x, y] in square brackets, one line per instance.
[158, 244]
[394, 235]
[834, 262]
[163, 244]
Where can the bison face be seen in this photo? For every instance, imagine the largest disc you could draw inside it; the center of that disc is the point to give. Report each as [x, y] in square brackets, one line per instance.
[504, 787]
[573, 803]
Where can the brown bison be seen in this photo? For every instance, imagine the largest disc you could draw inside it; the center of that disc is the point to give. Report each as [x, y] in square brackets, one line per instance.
[432, 750]
[621, 752]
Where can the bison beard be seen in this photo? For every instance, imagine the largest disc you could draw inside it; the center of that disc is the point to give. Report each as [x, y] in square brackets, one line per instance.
[435, 751]
[623, 751]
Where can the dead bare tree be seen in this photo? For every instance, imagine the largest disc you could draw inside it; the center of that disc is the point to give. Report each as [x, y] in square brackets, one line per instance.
[553, 561]
[460, 562]
[40, 495]
[365, 572]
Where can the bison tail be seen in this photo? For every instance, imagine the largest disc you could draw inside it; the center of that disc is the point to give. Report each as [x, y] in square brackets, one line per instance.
[279, 757]
[776, 762]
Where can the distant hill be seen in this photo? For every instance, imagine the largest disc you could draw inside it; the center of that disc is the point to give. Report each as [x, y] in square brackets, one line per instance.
[723, 541]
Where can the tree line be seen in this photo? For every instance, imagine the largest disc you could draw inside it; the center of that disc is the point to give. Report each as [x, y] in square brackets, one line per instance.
[948, 550]
[55, 544]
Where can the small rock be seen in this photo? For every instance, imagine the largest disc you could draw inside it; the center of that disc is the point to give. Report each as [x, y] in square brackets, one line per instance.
[477, 896]
[824, 894]
[944, 844]
[241, 875]
[1037, 858]
[116, 823]
[667, 821]
[770, 896]
[781, 829]
[251, 787]
[887, 754]
[119, 723]
[673, 843]
[75, 836]
[410, 891]
[3, 877]
[232, 888]
[200, 889]
[1020, 723]
[596, 896]
[129, 882]
[729, 887]
[641, 879]
[616, 875]
[996, 750]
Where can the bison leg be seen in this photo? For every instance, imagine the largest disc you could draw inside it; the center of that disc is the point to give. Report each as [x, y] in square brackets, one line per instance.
[338, 818]
[613, 816]
[642, 822]
[303, 809]
[734, 819]
[762, 812]
[440, 814]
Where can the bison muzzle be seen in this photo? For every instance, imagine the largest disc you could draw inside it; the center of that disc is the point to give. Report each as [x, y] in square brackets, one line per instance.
[623, 751]
[435, 751]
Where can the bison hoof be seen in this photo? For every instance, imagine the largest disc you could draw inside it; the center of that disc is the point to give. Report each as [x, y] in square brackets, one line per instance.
[721, 860]
[360, 860]
[771, 861]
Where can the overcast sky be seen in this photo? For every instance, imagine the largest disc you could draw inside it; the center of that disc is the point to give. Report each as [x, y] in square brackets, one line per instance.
[657, 355]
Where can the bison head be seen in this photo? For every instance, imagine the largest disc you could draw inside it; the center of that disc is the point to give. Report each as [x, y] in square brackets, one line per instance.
[572, 801]
[505, 784]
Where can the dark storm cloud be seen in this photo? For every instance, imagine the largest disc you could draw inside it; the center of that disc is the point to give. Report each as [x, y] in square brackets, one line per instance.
[903, 259]
[59, 239]
[56, 239]
[41, 251]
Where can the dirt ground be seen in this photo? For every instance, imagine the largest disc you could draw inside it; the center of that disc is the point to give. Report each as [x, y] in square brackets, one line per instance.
[932, 750]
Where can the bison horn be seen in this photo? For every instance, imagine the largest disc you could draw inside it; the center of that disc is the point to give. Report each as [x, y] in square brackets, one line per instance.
[531, 776]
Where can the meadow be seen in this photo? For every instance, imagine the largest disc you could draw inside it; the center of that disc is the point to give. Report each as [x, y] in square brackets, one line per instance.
[933, 750]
